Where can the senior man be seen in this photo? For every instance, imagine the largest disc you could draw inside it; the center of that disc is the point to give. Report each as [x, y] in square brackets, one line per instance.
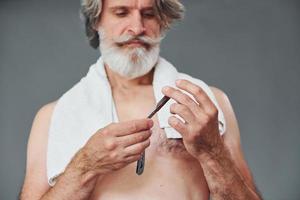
[85, 145]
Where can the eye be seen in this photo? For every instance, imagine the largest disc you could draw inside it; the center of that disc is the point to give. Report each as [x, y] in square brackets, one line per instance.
[148, 14]
[121, 12]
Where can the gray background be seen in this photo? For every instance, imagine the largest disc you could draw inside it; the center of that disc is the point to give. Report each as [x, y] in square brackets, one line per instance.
[249, 49]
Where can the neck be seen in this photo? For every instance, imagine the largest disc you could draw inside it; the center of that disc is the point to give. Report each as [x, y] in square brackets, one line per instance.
[122, 83]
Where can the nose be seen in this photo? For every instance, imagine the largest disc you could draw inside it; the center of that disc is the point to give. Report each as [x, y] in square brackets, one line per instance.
[137, 25]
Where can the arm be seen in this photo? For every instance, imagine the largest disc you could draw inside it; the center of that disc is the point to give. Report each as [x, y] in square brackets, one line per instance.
[224, 167]
[109, 149]
[35, 183]
[229, 167]
[231, 138]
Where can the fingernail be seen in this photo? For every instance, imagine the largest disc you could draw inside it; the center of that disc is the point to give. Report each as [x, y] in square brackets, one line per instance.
[165, 88]
[150, 123]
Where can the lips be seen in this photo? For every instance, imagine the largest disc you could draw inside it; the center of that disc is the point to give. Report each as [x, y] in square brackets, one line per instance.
[135, 43]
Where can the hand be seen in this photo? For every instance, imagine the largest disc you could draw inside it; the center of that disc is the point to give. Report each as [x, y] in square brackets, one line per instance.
[114, 147]
[200, 132]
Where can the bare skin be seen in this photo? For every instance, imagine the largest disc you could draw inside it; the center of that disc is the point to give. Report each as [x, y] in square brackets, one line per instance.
[169, 166]
[199, 165]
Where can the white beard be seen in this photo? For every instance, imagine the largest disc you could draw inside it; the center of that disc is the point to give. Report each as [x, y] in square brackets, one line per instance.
[129, 62]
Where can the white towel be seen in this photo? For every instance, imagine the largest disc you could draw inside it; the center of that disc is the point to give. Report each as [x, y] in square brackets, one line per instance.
[89, 106]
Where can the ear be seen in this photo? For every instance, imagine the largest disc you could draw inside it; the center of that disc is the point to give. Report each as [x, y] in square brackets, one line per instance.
[96, 25]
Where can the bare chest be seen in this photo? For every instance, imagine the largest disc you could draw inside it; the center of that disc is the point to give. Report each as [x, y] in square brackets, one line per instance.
[170, 172]
[140, 107]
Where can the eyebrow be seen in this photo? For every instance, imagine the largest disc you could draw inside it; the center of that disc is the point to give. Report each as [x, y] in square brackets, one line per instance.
[114, 8]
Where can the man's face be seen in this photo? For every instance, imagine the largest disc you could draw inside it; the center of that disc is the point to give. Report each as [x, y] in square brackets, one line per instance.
[129, 17]
[129, 36]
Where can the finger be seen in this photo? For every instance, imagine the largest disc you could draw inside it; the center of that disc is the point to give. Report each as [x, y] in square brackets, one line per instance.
[132, 158]
[181, 98]
[183, 111]
[178, 125]
[135, 138]
[198, 93]
[130, 127]
[137, 148]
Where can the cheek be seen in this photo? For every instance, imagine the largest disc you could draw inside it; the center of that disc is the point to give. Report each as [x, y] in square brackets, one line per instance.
[119, 28]
[152, 28]
[114, 29]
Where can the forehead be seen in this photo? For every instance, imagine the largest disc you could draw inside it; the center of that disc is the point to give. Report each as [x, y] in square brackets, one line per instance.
[129, 3]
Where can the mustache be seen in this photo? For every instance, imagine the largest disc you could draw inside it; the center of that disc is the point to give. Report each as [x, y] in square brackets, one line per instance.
[148, 41]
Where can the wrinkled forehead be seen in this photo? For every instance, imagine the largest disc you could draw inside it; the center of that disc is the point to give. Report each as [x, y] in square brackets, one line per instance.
[139, 4]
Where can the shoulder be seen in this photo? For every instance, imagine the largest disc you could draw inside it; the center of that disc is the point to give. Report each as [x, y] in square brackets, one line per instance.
[37, 141]
[43, 117]
[45, 112]
[233, 133]
[40, 127]
[232, 136]
[221, 97]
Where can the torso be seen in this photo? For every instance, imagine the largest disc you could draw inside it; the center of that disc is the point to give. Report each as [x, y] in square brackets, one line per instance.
[170, 172]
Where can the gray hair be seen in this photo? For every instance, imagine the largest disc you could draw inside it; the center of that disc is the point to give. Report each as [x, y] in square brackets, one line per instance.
[167, 11]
